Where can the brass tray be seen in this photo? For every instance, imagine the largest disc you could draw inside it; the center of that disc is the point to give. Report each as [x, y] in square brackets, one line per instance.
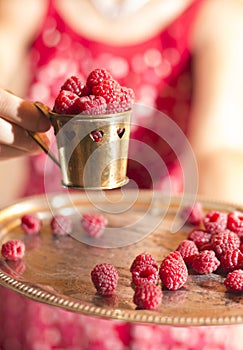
[56, 270]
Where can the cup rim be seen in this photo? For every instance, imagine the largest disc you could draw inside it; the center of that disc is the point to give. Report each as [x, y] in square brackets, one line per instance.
[88, 116]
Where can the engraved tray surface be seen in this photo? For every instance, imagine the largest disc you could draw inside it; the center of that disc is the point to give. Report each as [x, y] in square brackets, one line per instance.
[56, 270]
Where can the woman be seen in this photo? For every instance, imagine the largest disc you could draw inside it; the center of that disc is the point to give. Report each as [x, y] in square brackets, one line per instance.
[181, 57]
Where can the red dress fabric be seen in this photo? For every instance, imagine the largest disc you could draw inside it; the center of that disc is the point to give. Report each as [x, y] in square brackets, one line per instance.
[159, 70]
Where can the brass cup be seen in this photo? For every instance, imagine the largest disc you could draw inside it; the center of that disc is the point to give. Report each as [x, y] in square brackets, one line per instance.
[85, 163]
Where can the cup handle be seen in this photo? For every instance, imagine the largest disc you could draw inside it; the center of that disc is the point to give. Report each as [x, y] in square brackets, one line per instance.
[39, 139]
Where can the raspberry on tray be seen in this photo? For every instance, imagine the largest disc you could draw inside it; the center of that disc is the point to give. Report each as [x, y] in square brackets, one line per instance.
[31, 224]
[188, 250]
[231, 260]
[143, 259]
[193, 214]
[235, 222]
[13, 250]
[234, 281]
[225, 241]
[200, 237]
[215, 221]
[61, 225]
[94, 224]
[145, 273]
[105, 278]
[205, 262]
[173, 271]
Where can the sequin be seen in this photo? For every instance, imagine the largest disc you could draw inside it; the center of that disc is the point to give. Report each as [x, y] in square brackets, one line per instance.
[118, 67]
[147, 95]
[164, 69]
[51, 36]
[38, 89]
[65, 42]
[171, 55]
[138, 63]
[152, 58]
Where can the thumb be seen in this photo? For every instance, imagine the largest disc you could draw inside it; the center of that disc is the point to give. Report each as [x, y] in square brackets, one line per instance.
[23, 113]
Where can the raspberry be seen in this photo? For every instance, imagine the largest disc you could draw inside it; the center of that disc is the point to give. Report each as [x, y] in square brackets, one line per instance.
[147, 296]
[215, 221]
[97, 76]
[110, 90]
[127, 98]
[206, 246]
[13, 250]
[94, 224]
[91, 105]
[105, 278]
[188, 250]
[75, 85]
[205, 262]
[199, 237]
[65, 103]
[225, 241]
[234, 281]
[235, 222]
[96, 105]
[31, 224]
[143, 259]
[241, 247]
[61, 225]
[120, 132]
[173, 271]
[231, 260]
[145, 273]
[96, 135]
[192, 214]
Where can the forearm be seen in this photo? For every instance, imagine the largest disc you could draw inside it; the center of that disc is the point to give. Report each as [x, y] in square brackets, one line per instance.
[215, 130]
[221, 175]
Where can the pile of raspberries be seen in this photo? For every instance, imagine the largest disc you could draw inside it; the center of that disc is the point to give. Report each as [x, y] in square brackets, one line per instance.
[99, 94]
[214, 246]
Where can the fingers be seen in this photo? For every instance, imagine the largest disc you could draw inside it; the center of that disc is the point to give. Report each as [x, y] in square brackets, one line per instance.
[16, 117]
[23, 113]
[14, 136]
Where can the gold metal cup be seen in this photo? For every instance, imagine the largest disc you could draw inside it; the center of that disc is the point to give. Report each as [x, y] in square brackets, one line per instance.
[85, 163]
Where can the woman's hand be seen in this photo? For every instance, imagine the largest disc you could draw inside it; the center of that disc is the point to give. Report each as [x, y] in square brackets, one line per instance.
[16, 117]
